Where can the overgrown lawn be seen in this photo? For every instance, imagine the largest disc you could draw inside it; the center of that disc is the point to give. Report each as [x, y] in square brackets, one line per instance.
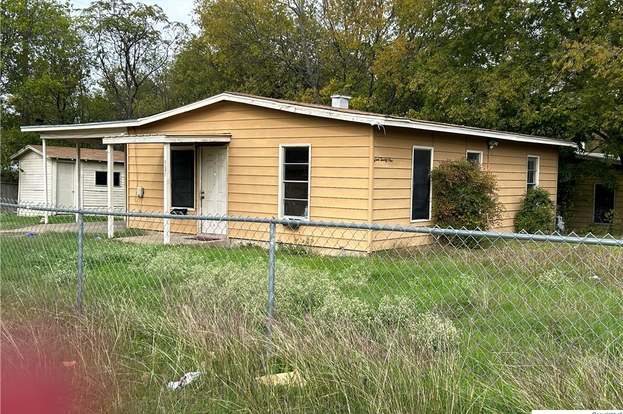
[508, 328]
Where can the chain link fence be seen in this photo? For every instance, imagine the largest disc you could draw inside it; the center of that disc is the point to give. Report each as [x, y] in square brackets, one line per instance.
[500, 321]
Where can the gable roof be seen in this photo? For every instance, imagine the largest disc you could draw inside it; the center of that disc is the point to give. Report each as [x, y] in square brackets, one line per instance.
[322, 111]
[69, 153]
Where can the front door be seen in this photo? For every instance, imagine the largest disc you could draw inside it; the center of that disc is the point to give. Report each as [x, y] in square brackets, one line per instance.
[214, 188]
[64, 185]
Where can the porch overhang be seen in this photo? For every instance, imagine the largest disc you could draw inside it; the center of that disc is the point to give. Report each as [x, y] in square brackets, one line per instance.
[168, 139]
[80, 136]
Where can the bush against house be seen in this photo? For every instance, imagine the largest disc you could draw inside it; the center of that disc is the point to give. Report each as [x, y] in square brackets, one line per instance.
[464, 196]
[536, 213]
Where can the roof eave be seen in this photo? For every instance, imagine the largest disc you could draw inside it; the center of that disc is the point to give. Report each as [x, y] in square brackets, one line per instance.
[27, 148]
[373, 120]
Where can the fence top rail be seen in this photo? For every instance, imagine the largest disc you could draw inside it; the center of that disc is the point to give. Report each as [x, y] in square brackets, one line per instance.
[436, 231]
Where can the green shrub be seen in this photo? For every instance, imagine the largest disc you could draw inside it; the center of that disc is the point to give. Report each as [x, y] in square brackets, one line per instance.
[536, 212]
[464, 196]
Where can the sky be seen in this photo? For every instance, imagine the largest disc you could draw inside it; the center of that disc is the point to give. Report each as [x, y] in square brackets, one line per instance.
[176, 10]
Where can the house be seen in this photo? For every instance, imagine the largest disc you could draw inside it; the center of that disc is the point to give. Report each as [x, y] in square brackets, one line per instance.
[597, 199]
[245, 155]
[61, 178]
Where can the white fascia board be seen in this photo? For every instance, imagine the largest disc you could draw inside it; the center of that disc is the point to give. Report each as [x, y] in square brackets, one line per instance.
[83, 133]
[27, 148]
[505, 136]
[115, 127]
[373, 120]
[598, 156]
[167, 139]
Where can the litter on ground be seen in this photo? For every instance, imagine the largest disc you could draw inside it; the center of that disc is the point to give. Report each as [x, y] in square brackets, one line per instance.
[293, 378]
[185, 380]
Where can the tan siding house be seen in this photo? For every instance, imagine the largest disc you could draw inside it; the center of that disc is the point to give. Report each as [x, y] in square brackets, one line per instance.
[592, 197]
[243, 155]
[508, 161]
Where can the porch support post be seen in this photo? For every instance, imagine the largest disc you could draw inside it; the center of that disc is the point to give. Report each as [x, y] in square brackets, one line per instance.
[110, 183]
[44, 150]
[77, 182]
[167, 193]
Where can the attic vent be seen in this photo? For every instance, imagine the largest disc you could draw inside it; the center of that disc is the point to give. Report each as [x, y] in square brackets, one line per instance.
[340, 101]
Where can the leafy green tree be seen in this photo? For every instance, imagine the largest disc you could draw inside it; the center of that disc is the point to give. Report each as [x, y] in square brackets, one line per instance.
[542, 67]
[356, 33]
[297, 49]
[132, 45]
[43, 69]
[589, 64]
[244, 46]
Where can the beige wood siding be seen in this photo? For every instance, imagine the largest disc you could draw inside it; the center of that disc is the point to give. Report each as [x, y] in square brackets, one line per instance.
[392, 174]
[358, 173]
[340, 154]
[581, 213]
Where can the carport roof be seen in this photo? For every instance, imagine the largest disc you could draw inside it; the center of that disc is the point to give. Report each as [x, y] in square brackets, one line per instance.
[69, 153]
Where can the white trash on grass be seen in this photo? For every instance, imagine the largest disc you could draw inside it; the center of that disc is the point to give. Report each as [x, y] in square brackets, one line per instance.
[185, 380]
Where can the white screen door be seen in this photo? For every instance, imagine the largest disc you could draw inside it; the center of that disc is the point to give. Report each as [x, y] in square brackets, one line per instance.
[65, 185]
[214, 188]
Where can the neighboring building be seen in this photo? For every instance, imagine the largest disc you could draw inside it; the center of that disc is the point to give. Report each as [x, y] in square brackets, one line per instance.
[62, 179]
[247, 155]
[597, 202]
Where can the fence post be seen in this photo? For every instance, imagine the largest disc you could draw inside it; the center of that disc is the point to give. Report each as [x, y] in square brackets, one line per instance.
[80, 264]
[271, 278]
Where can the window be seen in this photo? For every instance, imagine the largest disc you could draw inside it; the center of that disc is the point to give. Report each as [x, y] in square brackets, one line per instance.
[421, 183]
[182, 177]
[533, 171]
[295, 162]
[101, 178]
[604, 204]
[474, 157]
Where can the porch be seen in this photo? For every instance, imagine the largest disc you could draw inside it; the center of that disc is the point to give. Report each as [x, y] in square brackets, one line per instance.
[193, 176]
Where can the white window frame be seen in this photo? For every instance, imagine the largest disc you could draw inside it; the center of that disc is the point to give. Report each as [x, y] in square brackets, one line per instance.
[281, 191]
[614, 205]
[537, 174]
[185, 148]
[113, 178]
[480, 155]
[430, 195]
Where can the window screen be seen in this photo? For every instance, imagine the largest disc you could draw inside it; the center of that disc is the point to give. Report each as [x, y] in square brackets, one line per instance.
[604, 204]
[421, 186]
[533, 172]
[183, 178]
[101, 178]
[474, 157]
[295, 182]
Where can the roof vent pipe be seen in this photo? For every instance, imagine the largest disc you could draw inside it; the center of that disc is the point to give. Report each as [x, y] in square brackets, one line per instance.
[340, 101]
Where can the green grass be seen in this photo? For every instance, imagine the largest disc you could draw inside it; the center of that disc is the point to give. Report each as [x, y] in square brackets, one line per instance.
[9, 221]
[515, 327]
